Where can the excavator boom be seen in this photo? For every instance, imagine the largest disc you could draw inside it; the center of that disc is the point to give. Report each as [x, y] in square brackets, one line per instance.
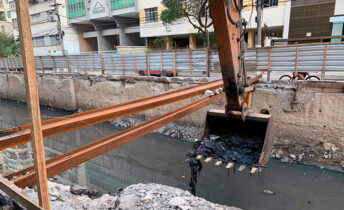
[235, 135]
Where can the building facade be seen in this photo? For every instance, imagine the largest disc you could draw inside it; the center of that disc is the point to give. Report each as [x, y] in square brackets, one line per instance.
[180, 34]
[104, 24]
[338, 20]
[311, 18]
[5, 17]
[51, 33]
[275, 20]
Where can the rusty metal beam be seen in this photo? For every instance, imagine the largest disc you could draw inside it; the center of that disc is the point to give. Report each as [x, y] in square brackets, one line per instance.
[254, 79]
[30, 75]
[73, 158]
[21, 135]
[17, 196]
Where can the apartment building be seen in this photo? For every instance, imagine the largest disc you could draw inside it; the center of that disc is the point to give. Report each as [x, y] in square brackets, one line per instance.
[338, 20]
[311, 18]
[182, 34]
[103, 24]
[5, 17]
[275, 20]
[51, 33]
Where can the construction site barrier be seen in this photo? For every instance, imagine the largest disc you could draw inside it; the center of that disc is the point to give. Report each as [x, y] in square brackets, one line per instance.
[315, 57]
[178, 63]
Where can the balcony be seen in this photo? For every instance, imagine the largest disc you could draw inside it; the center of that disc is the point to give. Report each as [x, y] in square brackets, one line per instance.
[76, 8]
[118, 4]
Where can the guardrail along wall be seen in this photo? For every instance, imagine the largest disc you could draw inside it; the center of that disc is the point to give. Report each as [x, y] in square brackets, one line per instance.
[319, 57]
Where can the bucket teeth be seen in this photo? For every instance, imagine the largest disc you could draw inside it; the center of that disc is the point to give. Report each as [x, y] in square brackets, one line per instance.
[229, 165]
[241, 168]
[209, 159]
[254, 170]
[199, 157]
[218, 163]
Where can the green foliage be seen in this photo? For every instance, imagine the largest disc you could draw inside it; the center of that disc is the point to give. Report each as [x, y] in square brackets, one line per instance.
[176, 9]
[160, 42]
[8, 47]
[189, 9]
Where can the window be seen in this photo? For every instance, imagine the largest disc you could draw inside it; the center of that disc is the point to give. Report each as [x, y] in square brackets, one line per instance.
[76, 8]
[38, 41]
[54, 40]
[15, 23]
[12, 6]
[8, 14]
[118, 4]
[151, 15]
[270, 3]
[41, 17]
[2, 16]
[6, 1]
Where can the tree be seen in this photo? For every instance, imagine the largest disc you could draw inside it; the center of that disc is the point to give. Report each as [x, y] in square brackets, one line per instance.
[8, 47]
[195, 11]
[160, 43]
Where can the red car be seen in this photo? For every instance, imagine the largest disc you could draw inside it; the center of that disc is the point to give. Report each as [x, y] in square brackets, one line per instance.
[153, 72]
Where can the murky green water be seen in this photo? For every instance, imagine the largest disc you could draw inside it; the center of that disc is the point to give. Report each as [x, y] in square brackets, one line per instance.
[156, 158]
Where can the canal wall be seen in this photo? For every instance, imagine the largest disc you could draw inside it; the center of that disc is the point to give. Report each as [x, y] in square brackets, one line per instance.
[308, 113]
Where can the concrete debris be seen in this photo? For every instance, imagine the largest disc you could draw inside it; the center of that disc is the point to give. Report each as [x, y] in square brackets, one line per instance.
[342, 164]
[176, 202]
[293, 157]
[134, 197]
[323, 155]
[174, 130]
[156, 196]
[218, 91]
[268, 192]
[78, 190]
[208, 93]
[62, 198]
[300, 157]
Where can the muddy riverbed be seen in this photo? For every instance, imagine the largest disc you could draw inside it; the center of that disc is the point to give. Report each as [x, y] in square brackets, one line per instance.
[159, 159]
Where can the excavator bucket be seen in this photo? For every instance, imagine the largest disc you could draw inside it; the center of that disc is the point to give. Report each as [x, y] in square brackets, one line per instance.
[245, 142]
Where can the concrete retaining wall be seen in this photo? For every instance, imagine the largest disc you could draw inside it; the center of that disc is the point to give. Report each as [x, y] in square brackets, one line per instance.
[311, 115]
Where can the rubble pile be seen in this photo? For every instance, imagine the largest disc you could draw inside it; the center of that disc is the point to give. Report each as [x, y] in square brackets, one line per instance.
[134, 197]
[156, 196]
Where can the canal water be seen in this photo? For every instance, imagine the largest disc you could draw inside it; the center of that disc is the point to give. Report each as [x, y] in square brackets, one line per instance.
[159, 159]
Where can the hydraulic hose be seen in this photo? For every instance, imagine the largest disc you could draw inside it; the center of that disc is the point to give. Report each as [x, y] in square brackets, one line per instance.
[229, 2]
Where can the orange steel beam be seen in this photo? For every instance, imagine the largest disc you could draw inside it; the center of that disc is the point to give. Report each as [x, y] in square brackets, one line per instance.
[254, 79]
[21, 135]
[73, 158]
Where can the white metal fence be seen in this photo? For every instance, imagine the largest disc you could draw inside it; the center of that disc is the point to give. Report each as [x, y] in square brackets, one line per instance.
[314, 58]
[321, 58]
[180, 63]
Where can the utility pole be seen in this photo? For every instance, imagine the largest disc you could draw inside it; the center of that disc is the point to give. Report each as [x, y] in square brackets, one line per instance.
[59, 28]
[259, 7]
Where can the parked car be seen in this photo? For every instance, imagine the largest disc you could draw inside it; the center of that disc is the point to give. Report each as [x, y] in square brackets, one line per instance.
[154, 72]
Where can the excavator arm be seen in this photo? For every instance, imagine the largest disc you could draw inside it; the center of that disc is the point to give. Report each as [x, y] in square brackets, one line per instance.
[236, 123]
